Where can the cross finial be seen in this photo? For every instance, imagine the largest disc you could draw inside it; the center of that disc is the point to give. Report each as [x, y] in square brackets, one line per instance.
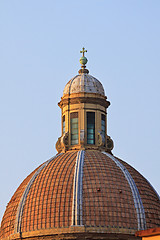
[83, 51]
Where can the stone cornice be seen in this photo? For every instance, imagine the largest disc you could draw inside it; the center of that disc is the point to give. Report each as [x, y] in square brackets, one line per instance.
[93, 99]
[75, 231]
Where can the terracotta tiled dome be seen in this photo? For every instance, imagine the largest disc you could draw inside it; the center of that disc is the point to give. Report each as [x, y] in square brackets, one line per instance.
[88, 191]
[84, 192]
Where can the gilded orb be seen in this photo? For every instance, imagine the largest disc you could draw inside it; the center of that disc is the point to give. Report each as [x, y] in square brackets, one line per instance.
[83, 60]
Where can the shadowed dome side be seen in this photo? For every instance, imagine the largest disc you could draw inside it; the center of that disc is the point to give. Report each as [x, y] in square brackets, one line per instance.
[82, 188]
[9, 217]
[84, 83]
[42, 197]
[150, 198]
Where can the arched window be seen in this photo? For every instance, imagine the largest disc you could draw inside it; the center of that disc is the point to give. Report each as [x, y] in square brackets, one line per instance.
[74, 128]
[103, 127]
[90, 127]
[63, 125]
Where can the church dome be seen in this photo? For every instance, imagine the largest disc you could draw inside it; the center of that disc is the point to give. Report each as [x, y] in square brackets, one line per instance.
[81, 191]
[84, 192]
[84, 83]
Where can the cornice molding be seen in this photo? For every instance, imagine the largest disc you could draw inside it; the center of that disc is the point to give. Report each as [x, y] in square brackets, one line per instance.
[77, 100]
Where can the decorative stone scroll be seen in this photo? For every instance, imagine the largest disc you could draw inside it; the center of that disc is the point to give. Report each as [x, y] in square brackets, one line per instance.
[110, 144]
[100, 140]
[62, 143]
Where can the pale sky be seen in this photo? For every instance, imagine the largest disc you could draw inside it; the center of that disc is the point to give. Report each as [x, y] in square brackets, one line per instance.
[39, 53]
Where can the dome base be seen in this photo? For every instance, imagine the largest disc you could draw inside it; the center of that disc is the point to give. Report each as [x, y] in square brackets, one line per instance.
[77, 232]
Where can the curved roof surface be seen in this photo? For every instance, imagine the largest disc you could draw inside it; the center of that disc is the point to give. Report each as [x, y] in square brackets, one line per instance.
[84, 83]
[77, 188]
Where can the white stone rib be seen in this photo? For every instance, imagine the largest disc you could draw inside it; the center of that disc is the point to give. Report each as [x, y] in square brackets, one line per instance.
[135, 193]
[77, 190]
[18, 220]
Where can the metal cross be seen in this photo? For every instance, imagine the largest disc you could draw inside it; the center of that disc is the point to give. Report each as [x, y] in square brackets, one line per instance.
[83, 51]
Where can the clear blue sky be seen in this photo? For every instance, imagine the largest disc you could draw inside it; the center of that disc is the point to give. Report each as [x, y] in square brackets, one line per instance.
[39, 52]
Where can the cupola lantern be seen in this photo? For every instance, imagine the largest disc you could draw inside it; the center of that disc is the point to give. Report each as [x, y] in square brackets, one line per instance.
[84, 109]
